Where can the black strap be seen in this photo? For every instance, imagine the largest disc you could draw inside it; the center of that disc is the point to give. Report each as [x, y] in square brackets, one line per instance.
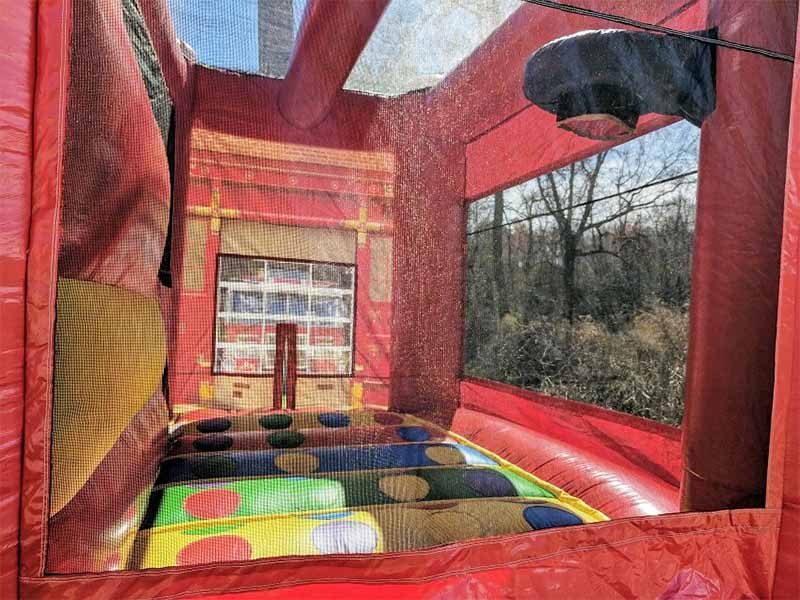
[165, 270]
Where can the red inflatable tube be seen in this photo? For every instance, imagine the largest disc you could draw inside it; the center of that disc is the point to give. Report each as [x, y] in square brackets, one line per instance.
[622, 465]
[18, 73]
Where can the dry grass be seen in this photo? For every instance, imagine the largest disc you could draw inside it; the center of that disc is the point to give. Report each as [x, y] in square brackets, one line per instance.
[639, 369]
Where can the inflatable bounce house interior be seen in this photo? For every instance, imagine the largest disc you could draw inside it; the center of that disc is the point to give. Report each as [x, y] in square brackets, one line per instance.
[232, 288]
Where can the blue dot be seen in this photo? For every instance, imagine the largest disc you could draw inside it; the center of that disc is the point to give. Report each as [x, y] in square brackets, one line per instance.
[334, 419]
[545, 517]
[413, 434]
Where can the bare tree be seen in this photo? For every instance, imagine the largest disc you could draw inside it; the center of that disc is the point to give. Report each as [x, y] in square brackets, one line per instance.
[562, 192]
[571, 196]
[501, 292]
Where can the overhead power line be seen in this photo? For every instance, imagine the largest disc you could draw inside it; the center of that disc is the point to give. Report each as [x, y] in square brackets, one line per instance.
[587, 203]
[662, 29]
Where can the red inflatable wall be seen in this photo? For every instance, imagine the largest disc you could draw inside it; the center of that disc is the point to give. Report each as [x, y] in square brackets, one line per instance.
[51, 30]
[736, 263]
[623, 465]
[783, 484]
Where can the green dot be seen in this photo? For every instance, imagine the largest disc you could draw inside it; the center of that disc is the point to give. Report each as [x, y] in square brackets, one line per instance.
[275, 421]
[286, 439]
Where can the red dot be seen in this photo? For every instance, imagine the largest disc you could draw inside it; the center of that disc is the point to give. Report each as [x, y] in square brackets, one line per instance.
[212, 504]
[214, 549]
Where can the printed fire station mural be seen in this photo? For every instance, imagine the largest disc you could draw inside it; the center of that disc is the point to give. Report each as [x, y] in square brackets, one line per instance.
[281, 233]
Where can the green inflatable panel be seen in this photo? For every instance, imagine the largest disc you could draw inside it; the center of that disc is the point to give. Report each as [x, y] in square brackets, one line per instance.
[285, 495]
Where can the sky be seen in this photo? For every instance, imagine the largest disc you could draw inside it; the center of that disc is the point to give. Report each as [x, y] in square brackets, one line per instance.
[223, 34]
[418, 42]
[415, 45]
[666, 152]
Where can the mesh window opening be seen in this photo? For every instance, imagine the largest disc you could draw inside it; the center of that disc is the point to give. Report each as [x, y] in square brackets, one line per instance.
[578, 282]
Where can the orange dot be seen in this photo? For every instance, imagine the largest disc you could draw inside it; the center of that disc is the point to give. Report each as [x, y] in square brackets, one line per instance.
[404, 488]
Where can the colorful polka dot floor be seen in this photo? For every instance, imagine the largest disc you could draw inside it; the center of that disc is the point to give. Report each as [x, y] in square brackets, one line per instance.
[248, 486]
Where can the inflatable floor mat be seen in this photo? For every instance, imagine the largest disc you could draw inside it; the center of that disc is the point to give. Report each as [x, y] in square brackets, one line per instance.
[249, 486]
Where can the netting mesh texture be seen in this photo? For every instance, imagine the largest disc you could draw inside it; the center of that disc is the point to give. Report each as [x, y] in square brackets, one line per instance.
[278, 228]
[261, 327]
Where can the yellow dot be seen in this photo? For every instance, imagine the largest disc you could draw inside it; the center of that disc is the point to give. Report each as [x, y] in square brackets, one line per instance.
[297, 463]
[452, 525]
[445, 455]
[404, 488]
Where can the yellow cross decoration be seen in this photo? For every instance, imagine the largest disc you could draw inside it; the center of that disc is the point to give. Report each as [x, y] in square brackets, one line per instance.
[214, 211]
[357, 395]
[206, 391]
[362, 226]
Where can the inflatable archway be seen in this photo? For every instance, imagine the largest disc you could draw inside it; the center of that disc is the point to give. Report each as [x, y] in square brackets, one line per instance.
[232, 309]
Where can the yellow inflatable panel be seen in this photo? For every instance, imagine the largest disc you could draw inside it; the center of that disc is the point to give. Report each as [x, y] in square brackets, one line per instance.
[220, 540]
[109, 359]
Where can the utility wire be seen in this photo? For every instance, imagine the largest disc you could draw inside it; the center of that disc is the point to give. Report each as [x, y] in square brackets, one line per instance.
[587, 203]
[662, 29]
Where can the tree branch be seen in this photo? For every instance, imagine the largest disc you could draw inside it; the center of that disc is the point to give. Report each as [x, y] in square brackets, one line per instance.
[582, 253]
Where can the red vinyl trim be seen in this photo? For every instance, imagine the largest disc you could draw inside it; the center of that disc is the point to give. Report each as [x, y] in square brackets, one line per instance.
[18, 74]
[52, 80]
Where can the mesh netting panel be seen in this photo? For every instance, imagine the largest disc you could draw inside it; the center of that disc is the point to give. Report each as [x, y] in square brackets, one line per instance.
[297, 320]
[109, 414]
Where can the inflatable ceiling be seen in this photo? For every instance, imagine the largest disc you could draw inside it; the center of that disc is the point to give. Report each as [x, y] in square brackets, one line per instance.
[232, 299]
